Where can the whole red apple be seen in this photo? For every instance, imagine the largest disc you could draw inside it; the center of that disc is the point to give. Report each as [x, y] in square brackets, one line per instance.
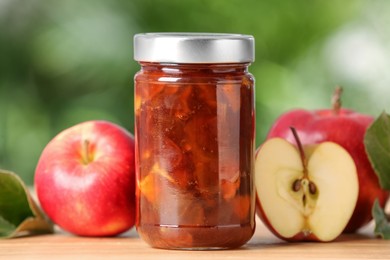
[346, 128]
[85, 179]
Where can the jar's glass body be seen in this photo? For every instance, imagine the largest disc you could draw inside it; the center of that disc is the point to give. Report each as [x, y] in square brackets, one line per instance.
[195, 155]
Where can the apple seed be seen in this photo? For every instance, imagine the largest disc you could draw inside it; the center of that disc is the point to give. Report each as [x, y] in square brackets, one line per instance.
[312, 188]
[296, 185]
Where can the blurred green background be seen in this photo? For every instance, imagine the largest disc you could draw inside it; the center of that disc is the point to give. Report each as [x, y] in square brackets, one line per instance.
[64, 62]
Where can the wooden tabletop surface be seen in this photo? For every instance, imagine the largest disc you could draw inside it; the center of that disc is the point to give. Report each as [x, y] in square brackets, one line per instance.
[263, 245]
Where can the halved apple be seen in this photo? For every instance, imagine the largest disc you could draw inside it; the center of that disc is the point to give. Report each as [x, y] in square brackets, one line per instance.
[305, 193]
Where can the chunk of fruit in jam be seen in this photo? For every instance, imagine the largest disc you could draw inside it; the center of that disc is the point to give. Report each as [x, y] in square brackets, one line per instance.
[229, 188]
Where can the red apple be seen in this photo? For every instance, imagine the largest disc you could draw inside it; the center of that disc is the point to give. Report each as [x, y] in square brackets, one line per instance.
[85, 179]
[346, 128]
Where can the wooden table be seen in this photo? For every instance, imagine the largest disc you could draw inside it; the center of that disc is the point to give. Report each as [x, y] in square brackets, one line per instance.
[263, 245]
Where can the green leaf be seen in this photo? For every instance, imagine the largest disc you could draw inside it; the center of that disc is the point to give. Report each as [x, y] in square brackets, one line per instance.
[19, 214]
[6, 227]
[382, 225]
[377, 144]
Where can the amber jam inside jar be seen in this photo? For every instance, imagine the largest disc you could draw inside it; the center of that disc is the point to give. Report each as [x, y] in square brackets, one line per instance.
[194, 155]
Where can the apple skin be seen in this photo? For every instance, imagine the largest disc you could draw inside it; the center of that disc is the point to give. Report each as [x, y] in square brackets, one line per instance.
[346, 128]
[94, 197]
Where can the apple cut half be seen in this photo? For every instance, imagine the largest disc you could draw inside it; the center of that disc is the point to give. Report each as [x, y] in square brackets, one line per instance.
[305, 193]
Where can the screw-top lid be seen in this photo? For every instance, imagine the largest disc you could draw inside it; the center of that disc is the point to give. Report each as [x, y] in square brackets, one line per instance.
[194, 48]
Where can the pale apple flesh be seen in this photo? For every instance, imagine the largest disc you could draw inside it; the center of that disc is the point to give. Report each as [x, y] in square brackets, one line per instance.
[315, 205]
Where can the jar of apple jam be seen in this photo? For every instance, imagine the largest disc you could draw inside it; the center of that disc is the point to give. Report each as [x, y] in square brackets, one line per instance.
[194, 134]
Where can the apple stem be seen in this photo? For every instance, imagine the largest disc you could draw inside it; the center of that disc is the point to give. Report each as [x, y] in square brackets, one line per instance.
[336, 99]
[301, 151]
[85, 154]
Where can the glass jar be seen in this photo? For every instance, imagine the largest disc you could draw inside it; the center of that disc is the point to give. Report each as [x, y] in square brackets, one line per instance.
[194, 134]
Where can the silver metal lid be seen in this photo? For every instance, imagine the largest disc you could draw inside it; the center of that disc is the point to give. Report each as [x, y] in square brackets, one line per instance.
[194, 48]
